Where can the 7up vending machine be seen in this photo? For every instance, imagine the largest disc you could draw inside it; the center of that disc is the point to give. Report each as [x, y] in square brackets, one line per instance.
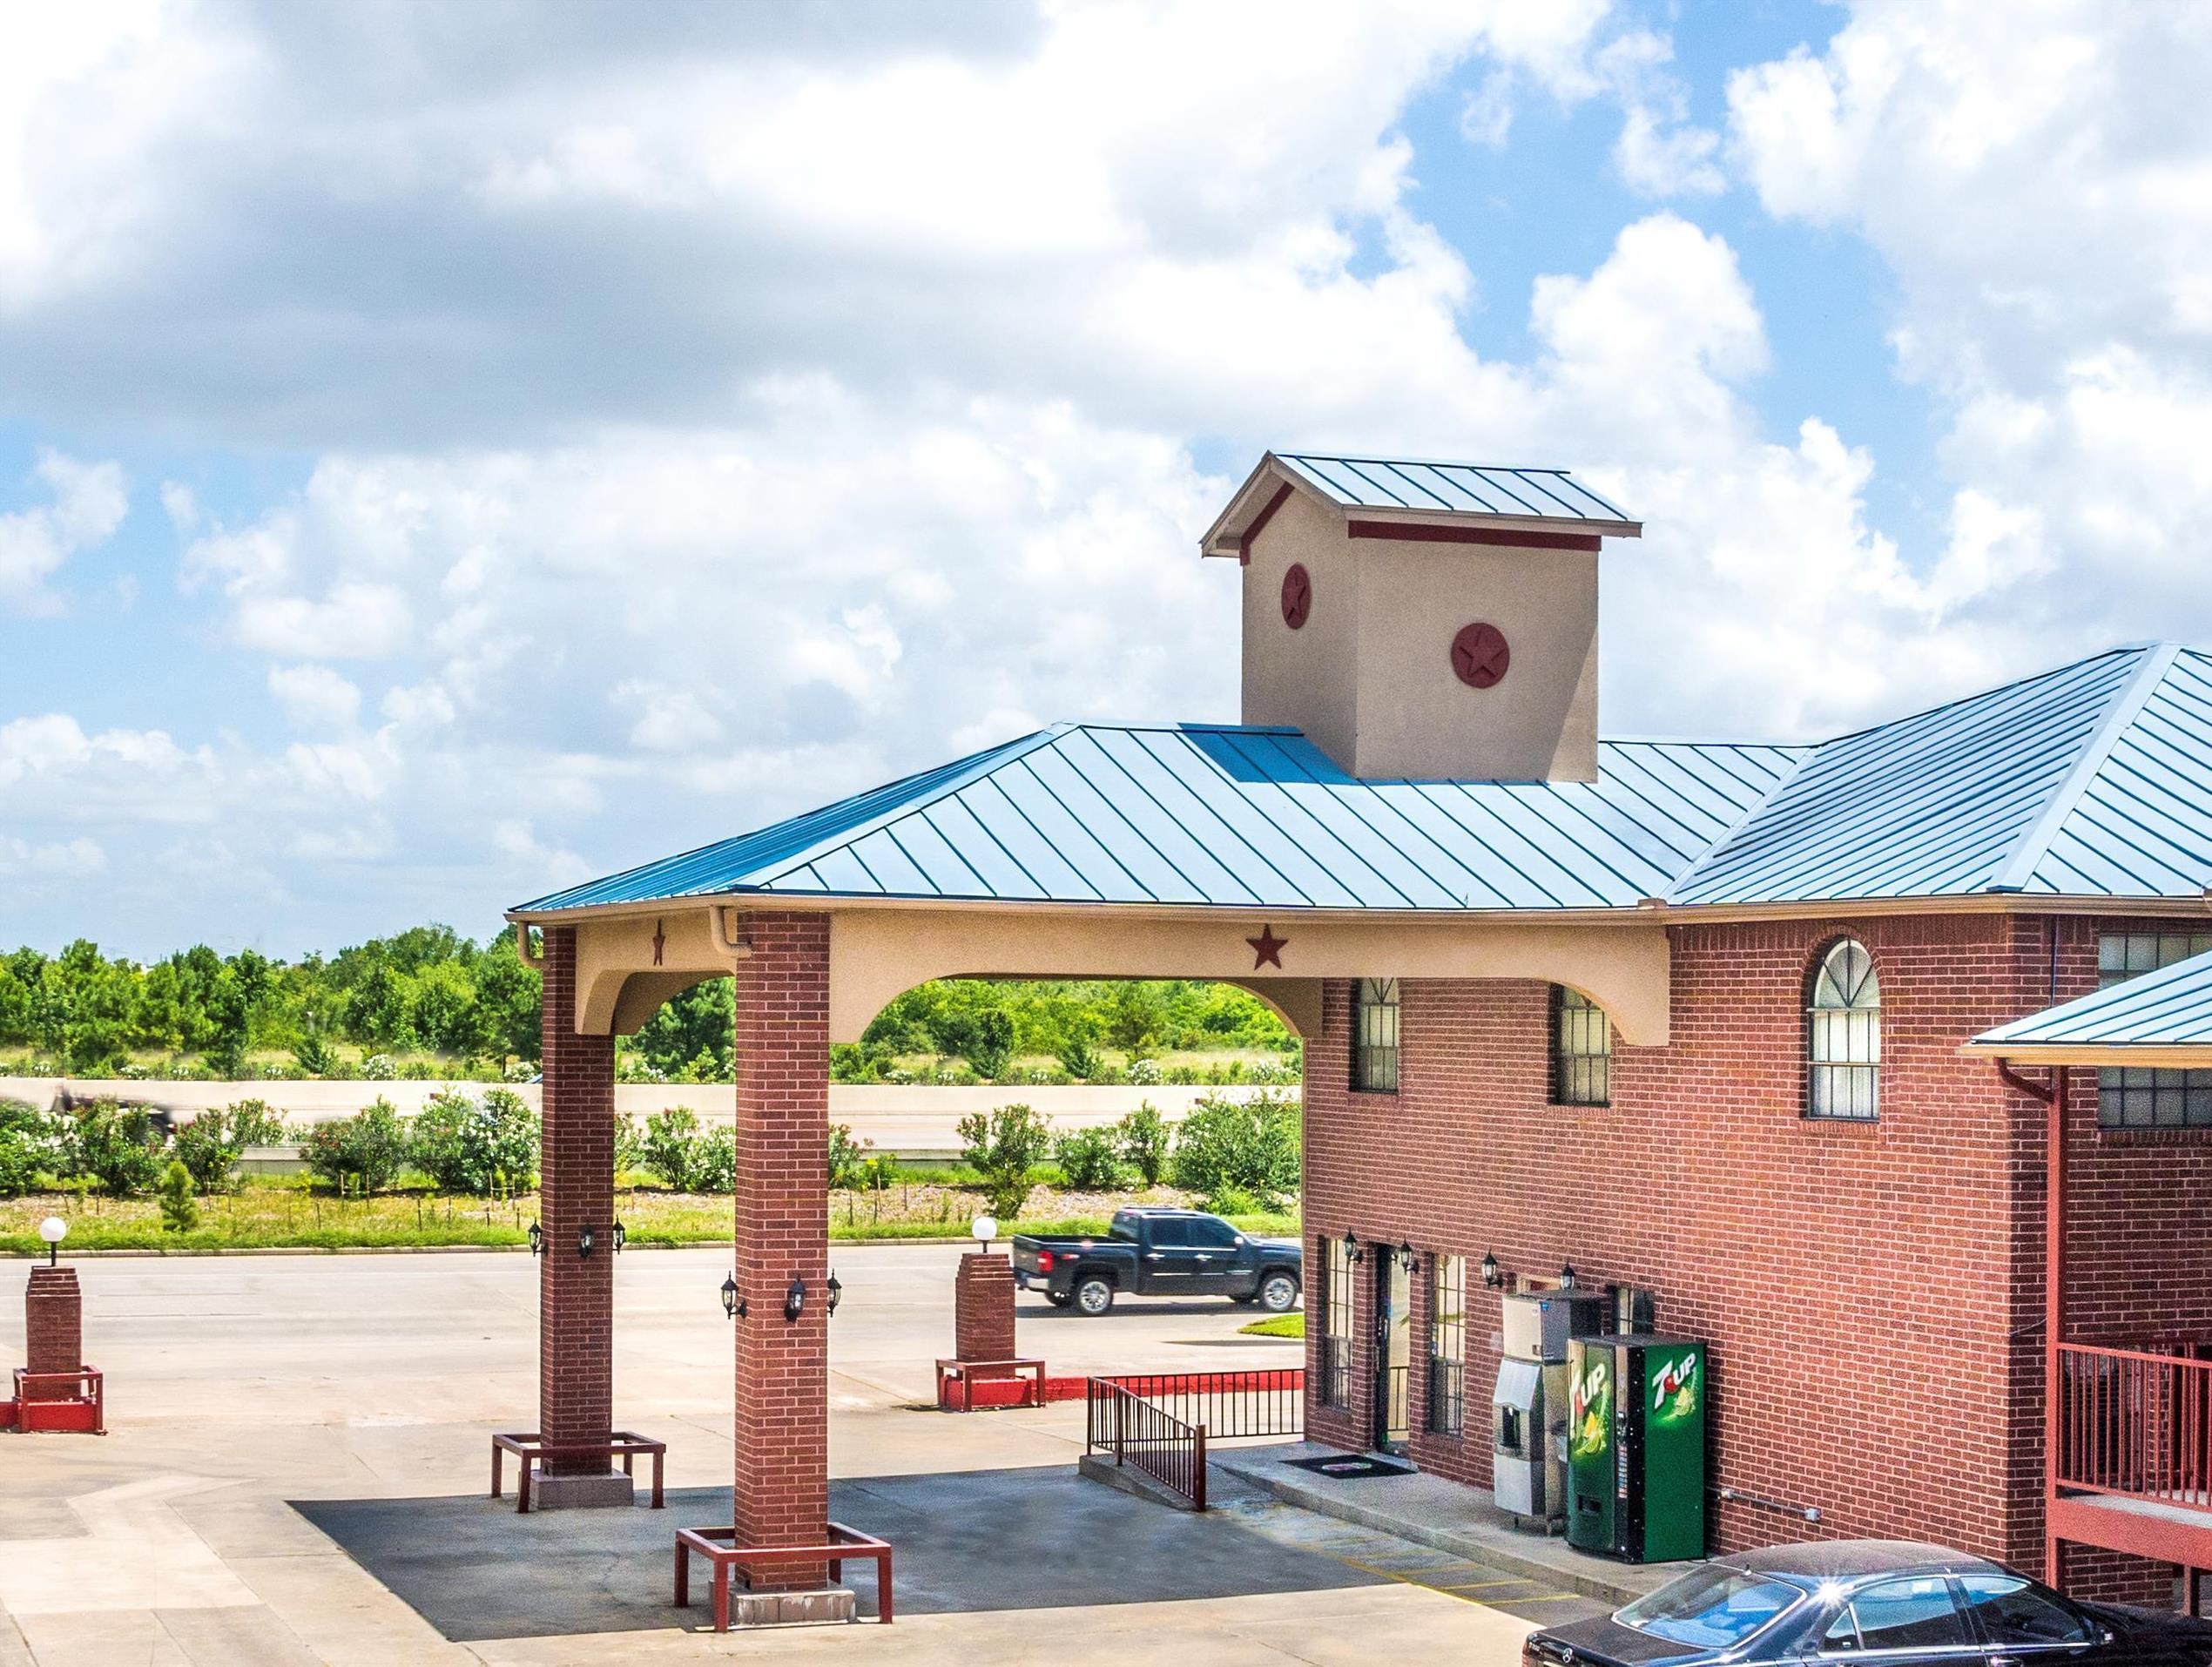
[1635, 1447]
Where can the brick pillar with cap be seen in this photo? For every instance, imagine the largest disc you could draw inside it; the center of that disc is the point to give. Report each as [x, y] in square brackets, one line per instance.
[576, 1291]
[782, 1236]
[983, 1308]
[53, 1316]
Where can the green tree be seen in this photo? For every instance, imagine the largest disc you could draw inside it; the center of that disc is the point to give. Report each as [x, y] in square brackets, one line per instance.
[1144, 1139]
[1090, 1160]
[696, 1022]
[1251, 1146]
[117, 1148]
[179, 1213]
[1004, 1148]
[359, 1154]
[208, 1147]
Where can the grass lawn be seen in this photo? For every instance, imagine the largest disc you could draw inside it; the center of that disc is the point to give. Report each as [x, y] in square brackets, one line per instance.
[1276, 1325]
[284, 1214]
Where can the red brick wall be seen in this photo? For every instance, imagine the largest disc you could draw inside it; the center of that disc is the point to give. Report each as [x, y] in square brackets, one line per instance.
[53, 1315]
[576, 1293]
[983, 1308]
[782, 1228]
[1870, 1291]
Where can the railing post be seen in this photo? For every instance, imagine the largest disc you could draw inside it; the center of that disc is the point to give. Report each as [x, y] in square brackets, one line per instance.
[1198, 1460]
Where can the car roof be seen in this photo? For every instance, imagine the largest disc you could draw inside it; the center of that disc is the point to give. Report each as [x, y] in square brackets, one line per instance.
[1819, 1560]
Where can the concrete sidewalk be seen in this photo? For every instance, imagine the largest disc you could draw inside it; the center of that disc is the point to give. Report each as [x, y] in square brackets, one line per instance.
[1443, 1516]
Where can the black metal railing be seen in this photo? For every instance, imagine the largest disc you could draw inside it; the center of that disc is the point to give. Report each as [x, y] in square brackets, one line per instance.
[1336, 1371]
[1146, 1438]
[1448, 1397]
[1398, 1422]
[1159, 1423]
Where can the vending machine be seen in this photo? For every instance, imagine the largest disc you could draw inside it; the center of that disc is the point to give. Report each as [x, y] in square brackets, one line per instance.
[1528, 1405]
[1635, 1447]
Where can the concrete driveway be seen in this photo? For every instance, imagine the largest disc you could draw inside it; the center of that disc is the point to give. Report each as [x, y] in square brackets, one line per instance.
[300, 1443]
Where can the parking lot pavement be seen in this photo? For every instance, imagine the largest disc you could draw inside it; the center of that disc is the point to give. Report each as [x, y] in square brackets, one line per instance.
[251, 1397]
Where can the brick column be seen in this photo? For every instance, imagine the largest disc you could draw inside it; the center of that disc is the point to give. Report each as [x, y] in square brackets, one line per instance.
[782, 1231]
[983, 1308]
[53, 1315]
[576, 1293]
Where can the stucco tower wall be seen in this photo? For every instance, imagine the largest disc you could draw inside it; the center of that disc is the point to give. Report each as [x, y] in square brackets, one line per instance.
[1369, 675]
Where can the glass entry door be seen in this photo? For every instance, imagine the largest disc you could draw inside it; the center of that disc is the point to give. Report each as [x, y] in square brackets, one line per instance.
[1393, 1348]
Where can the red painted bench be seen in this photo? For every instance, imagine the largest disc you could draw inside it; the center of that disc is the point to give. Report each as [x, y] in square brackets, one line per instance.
[719, 1546]
[529, 1448]
[61, 1401]
[962, 1386]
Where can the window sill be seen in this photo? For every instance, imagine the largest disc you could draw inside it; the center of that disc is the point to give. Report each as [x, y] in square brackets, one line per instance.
[1842, 1128]
[2153, 1137]
[1579, 1105]
[1375, 1093]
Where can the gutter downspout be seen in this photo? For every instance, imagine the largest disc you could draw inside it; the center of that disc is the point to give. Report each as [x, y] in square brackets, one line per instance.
[2053, 1098]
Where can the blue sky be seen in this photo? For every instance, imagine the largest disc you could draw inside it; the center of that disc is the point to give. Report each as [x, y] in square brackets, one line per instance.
[439, 462]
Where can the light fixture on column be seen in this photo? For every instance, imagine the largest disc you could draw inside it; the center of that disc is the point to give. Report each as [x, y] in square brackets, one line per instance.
[621, 1237]
[1493, 1275]
[986, 1228]
[53, 1229]
[836, 1289]
[795, 1298]
[538, 1239]
[731, 1304]
[1351, 1251]
[1567, 1277]
[1408, 1255]
[584, 1240]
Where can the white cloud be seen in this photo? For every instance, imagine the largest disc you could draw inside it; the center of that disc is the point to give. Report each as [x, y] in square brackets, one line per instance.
[89, 503]
[77, 859]
[314, 697]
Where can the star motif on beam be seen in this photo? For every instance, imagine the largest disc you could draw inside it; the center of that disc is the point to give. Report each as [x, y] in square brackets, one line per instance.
[1267, 949]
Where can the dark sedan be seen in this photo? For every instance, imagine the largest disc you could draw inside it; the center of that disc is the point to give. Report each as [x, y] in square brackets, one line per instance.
[1890, 1602]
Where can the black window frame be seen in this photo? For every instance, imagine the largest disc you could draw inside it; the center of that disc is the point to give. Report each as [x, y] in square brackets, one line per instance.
[2143, 1096]
[1377, 1006]
[1581, 1075]
[1335, 1353]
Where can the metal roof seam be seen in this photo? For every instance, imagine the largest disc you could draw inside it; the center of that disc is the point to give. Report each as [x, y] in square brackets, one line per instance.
[1235, 833]
[1030, 822]
[1069, 811]
[1153, 800]
[1334, 838]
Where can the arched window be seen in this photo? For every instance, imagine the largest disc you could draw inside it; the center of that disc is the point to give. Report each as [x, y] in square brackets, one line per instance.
[1843, 1034]
[1581, 1050]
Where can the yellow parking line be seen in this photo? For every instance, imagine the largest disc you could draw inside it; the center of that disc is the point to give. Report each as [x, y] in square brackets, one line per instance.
[1486, 1585]
[1542, 1598]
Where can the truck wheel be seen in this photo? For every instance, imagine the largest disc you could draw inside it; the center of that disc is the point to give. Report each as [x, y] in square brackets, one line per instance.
[1094, 1293]
[1279, 1293]
[1059, 1299]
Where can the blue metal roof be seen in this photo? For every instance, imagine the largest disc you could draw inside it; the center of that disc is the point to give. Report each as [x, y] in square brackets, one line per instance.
[1231, 817]
[2171, 1007]
[2092, 780]
[1456, 489]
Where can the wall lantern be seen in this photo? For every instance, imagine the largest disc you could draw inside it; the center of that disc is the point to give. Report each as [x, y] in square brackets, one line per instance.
[538, 1239]
[621, 1238]
[794, 1300]
[1567, 1277]
[584, 1240]
[1492, 1277]
[1351, 1251]
[1409, 1255]
[730, 1306]
[836, 1291]
[53, 1229]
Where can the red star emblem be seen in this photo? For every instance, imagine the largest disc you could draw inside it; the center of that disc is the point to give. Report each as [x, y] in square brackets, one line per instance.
[660, 942]
[1267, 949]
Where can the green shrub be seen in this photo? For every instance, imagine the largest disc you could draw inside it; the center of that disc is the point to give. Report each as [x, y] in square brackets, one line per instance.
[26, 1148]
[1080, 1060]
[1004, 1148]
[630, 1144]
[179, 1213]
[1144, 1138]
[1252, 1145]
[675, 1148]
[117, 1148]
[1090, 1160]
[314, 1055]
[487, 1147]
[208, 1147]
[848, 1158]
[1232, 1200]
[254, 1124]
[360, 1154]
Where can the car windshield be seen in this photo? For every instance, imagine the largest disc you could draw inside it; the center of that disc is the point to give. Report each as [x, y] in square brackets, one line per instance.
[1712, 1607]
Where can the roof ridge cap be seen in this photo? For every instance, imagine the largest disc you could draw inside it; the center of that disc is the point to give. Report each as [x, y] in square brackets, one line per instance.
[2126, 704]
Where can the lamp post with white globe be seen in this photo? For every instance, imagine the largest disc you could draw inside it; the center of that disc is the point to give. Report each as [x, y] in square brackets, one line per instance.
[53, 1229]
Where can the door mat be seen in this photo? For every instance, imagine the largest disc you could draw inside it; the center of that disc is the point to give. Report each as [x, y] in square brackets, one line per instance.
[1350, 1467]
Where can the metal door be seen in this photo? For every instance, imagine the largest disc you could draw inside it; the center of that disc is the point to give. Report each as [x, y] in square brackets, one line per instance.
[1393, 1343]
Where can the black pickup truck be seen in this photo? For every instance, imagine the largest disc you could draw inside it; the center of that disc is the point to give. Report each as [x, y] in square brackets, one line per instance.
[1150, 1252]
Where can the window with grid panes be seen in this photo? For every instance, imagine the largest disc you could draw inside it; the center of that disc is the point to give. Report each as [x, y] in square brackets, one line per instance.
[1581, 1050]
[1375, 1036]
[1844, 1034]
[1336, 1323]
[2138, 1097]
[1447, 1345]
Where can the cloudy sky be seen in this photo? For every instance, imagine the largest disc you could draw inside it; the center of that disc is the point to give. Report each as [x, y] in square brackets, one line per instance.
[449, 451]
